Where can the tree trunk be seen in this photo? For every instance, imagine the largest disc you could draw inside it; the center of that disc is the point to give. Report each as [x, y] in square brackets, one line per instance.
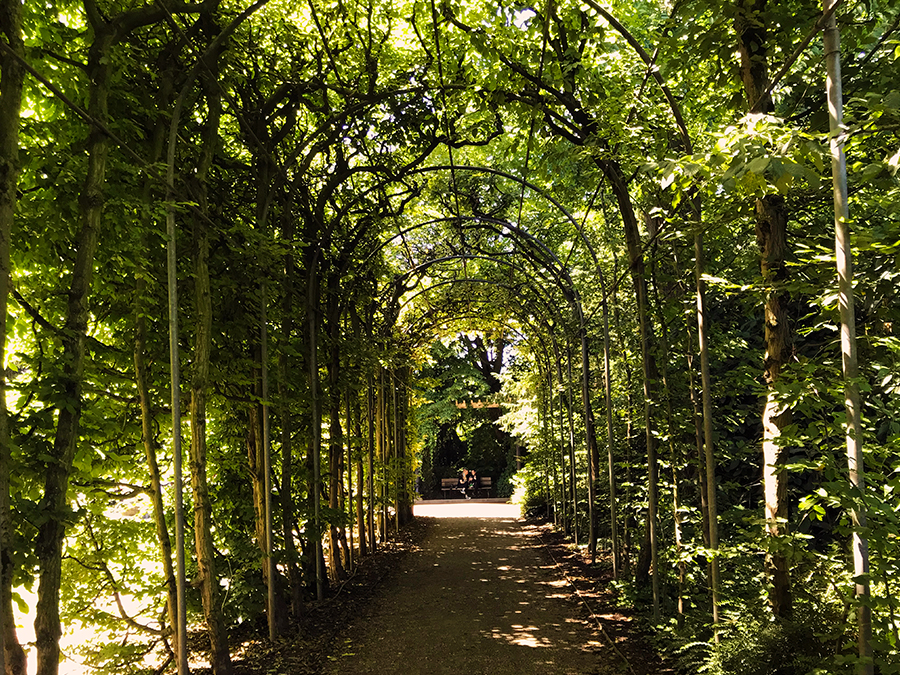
[707, 461]
[255, 465]
[394, 433]
[370, 486]
[358, 434]
[313, 298]
[12, 656]
[295, 578]
[573, 469]
[566, 484]
[844, 262]
[771, 235]
[628, 524]
[151, 445]
[51, 533]
[142, 369]
[349, 505]
[613, 173]
[675, 456]
[380, 426]
[610, 436]
[336, 434]
[591, 442]
[203, 541]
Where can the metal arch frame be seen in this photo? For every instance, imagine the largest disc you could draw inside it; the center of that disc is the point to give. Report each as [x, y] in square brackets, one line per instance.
[561, 271]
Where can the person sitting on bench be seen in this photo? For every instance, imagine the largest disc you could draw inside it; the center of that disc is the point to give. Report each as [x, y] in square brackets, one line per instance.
[467, 483]
[461, 481]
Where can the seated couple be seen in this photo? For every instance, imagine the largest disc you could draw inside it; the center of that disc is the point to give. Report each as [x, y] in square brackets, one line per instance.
[467, 483]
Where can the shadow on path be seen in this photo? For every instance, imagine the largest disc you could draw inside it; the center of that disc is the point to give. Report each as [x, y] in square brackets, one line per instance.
[479, 597]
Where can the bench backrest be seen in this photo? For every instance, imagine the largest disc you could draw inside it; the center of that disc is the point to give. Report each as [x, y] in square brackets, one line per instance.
[446, 483]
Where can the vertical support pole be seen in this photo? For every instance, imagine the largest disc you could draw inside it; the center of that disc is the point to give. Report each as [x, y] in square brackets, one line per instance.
[398, 473]
[573, 469]
[590, 442]
[175, 378]
[349, 500]
[382, 455]
[610, 439]
[370, 422]
[267, 457]
[316, 428]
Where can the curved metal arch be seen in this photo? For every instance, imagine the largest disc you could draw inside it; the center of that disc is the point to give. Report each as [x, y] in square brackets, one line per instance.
[490, 282]
[543, 300]
[561, 272]
[461, 256]
[476, 169]
[538, 335]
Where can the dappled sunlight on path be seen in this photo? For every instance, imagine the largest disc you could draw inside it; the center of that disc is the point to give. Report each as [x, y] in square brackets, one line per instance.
[479, 597]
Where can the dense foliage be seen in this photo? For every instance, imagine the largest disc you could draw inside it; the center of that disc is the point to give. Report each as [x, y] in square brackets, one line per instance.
[361, 214]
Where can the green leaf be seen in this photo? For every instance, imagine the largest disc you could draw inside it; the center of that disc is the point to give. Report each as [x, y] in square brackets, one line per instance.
[758, 165]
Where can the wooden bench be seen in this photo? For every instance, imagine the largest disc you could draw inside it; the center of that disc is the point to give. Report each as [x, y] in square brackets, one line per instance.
[484, 486]
[448, 484]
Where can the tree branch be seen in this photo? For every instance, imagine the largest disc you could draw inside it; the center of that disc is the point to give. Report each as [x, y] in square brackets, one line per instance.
[786, 66]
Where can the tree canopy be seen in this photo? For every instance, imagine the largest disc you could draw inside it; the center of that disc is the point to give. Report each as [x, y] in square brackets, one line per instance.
[310, 229]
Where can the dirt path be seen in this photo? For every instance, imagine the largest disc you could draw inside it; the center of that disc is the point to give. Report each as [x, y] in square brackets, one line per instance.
[480, 597]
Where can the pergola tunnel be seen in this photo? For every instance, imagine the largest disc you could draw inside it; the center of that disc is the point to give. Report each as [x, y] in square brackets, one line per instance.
[273, 273]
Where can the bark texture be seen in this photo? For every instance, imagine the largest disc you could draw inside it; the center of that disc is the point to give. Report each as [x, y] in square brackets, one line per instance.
[12, 656]
[209, 583]
[616, 179]
[150, 447]
[286, 493]
[142, 372]
[771, 235]
[49, 542]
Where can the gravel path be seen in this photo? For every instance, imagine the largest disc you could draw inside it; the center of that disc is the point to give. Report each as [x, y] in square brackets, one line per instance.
[479, 598]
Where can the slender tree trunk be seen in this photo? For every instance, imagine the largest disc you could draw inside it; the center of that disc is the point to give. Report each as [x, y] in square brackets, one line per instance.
[358, 434]
[370, 423]
[404, 494]
[675, 458]
[629, 435]
[771, 235]
[261, 489]
[51, 532]
[395, 446]
[566, 484]
[220, 658]
[142, 371]
[844, 259]
[571, 420]
[591, 442]
[349, 505]
[381, 425]
[771, 230]
[295, 578]
[360, 510]
[336, 433]
[708, 462]
[313, 298]
[12, 656]
[275, 607]
[636, 261]
[150, 447]
[361, 529]
[610, 435]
